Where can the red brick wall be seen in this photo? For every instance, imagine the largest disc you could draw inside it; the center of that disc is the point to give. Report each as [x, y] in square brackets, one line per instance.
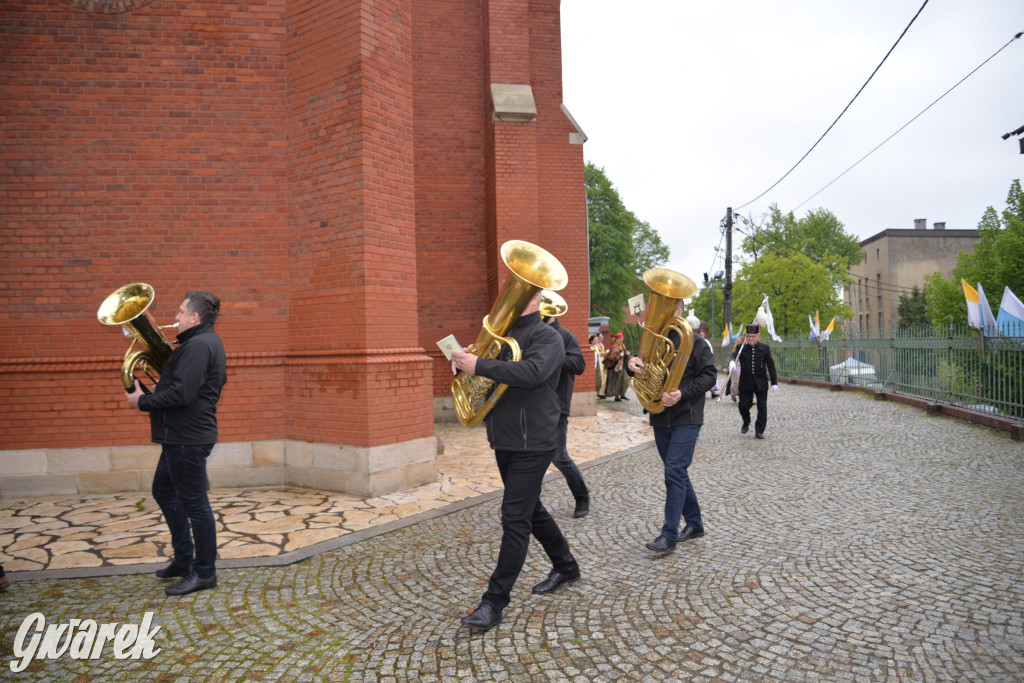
[146, 146]
[331, 170]
[451, 202]
[353, 289]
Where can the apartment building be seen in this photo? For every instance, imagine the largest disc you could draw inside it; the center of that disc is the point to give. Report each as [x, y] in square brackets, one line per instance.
[896, 260]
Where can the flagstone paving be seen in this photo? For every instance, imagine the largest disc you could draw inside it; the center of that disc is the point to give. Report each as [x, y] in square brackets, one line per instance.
[860, 541]
[69, 533]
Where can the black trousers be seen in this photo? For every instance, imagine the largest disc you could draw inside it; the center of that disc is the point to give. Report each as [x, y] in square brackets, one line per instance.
[746, 400]
[522, 514]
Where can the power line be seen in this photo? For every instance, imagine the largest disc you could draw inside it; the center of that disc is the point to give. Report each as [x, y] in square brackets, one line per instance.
[906, 124]
[842, 112]
[889, 287]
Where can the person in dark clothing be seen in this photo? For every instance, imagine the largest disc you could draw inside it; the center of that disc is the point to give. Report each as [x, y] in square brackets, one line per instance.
[615, 360]
[183, 419]
[522, 428]
[676, 429]
[551, 307]
[756, 364]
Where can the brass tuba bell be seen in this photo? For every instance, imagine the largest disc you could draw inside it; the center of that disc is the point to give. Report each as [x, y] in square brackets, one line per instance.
[532, 269]
[128, 307]
[664, 364]
[552, 305]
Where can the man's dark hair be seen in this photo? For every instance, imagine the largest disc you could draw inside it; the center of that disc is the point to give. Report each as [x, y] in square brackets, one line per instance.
[205, 304]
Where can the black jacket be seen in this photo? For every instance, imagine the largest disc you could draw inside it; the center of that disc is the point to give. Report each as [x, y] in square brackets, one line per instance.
[526, 417]
[698, 378]
[574, 365]
[183, 405]
[756, 364]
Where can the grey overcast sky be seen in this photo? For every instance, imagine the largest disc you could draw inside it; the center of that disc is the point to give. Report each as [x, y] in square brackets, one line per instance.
[691, 107]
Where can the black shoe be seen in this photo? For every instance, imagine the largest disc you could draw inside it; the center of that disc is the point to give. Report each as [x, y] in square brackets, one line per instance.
[485, 616]
[744, 429]
[600, 396]
[582, 507]
[758, 435]
[192, 583]
[555, 580]
[624, 398]
[172, 570]
[689, 532]
[661, 545]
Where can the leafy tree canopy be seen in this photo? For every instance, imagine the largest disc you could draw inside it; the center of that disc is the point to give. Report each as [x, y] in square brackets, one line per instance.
[819, 235]
[913, 309]
[622, 247]
[800, 264]
[796, 287]
[997, 261]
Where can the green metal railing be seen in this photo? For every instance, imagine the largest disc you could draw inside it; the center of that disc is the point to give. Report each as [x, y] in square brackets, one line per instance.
[951, 365]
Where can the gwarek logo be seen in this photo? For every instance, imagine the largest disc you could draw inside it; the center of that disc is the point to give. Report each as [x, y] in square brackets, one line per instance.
[82, 639]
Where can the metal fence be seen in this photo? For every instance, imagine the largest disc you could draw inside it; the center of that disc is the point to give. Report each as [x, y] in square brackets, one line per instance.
[952, 365]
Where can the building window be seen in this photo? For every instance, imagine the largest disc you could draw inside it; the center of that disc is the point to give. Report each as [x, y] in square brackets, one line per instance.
[879, 322]
[879, 289]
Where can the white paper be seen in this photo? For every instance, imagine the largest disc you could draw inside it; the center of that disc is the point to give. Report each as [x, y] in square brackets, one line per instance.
[636, 304]
[449, 345]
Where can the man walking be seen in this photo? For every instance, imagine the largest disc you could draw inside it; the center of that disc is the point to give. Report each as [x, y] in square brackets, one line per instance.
[756, 364]
[676, 429]
[550, 310]
[183, 419]
[522, 428]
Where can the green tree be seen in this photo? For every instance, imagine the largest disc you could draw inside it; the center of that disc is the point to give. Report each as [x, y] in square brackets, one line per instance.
[701, 306]
[792, 297]
[622, 247]
[819, 235]
[801, 264]
[997, 261]
[913, 309]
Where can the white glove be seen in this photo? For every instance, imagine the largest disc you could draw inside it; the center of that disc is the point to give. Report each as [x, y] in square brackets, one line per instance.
[775, 387]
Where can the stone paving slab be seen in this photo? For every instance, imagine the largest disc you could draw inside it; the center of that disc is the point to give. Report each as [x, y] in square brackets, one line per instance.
[860, 541]
[93, 535]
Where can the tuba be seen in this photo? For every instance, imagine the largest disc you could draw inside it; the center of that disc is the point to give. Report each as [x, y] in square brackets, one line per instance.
[664, 364]
[128, 307]
[552, 305]
[531, 270]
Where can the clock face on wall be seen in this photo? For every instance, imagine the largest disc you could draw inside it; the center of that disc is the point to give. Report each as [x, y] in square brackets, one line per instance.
[106, 6]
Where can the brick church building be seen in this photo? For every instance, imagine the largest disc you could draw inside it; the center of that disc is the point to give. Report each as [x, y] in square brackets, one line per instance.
[341, 173]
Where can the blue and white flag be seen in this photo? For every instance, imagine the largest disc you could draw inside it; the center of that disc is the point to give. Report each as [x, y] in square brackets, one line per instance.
[1011, 315]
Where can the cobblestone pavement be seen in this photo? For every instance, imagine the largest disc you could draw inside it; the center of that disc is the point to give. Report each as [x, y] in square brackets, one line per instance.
[861, 540]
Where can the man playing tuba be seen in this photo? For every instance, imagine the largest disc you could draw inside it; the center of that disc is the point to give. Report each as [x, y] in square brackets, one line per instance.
[676, 429]
[183, 418]
[522, 429]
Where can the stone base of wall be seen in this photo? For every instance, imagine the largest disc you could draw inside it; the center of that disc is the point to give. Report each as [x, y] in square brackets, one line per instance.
[365, 472]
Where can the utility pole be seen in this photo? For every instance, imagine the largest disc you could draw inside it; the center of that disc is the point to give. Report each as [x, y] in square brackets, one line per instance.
[728, 268]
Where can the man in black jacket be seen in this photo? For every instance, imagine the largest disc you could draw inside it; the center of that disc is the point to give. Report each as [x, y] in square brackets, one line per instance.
[183, 419]
[550, 310]
[522, 428]
[756, 364]
[676, 429]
